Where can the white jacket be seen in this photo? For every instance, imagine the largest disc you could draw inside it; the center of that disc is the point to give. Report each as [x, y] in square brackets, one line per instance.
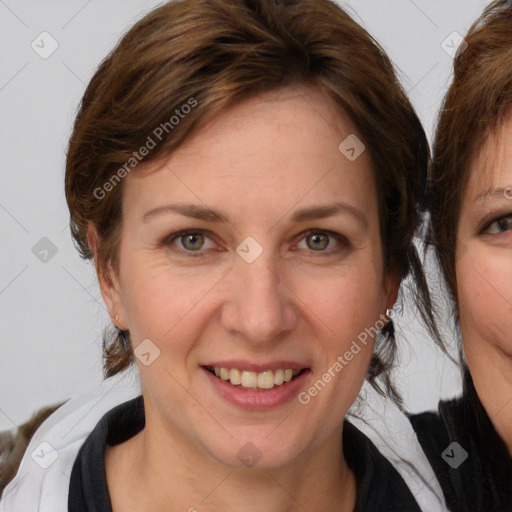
[42, 481]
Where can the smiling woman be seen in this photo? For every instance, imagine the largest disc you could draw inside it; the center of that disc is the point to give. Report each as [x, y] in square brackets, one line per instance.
[471, 230]
[265, 232]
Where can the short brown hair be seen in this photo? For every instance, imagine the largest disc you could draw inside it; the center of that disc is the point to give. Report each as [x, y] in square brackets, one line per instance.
[478, 100]
[218, 52]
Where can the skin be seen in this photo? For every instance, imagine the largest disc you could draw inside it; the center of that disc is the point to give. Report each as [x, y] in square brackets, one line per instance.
[484, 277]
[258, 162]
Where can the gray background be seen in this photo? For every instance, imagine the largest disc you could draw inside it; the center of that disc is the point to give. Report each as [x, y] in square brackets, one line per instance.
[51, 311]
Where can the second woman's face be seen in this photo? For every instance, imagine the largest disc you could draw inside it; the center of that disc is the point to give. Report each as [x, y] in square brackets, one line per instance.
[254, 252]
[484, 255]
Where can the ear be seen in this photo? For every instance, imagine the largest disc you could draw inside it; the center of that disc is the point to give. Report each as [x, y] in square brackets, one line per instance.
[109, 282]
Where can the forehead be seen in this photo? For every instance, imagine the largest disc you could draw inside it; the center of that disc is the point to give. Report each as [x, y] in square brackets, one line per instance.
[280, 146]
[273, 116]
[491, 167]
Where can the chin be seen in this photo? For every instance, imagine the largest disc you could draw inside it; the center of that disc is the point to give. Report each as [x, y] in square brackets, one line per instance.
[254, 452]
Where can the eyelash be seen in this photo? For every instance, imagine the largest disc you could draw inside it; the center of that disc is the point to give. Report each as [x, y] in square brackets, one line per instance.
[169, 240]
[488, 224]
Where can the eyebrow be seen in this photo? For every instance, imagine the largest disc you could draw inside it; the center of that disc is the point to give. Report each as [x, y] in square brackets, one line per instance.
[321, 212]
[496, 193]
[188, 210]
[208, 214]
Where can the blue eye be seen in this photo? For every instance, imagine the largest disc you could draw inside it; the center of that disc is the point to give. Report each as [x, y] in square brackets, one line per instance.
[499, 226]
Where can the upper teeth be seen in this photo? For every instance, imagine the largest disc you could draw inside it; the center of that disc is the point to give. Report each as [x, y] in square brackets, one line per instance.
[263, 380]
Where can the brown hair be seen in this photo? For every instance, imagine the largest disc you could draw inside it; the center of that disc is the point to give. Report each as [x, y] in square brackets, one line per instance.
[475, 107]
[479, 98]
[213, 53]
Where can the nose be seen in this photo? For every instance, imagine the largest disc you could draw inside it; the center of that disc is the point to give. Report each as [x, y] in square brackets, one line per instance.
[260, 306]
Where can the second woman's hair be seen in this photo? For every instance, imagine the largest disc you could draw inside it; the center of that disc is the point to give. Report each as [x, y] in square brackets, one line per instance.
[478, 100]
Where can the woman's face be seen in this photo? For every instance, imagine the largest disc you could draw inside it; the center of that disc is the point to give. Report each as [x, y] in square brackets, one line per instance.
[484, 255]
[281, 270]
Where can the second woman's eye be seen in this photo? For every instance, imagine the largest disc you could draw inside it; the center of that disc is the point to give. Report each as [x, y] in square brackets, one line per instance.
[499, 226]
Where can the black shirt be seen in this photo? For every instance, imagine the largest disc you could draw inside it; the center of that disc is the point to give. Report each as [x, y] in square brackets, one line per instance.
[379, 486]
[476, 473]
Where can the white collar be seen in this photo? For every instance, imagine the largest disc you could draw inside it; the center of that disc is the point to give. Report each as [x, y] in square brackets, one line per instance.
[37, 488]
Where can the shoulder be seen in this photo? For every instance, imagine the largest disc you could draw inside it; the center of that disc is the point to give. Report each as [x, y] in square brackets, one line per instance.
[435, 428]
[42, 480]
[387, 441]
[88, 489]
[393, 439]
[379, 486]
[469, 458]
[438, 436]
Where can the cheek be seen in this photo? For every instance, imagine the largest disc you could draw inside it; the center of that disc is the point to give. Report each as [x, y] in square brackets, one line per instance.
[172, 306]
[349, 299]
[347, 310]
[484, 283]
[344, 313]
[161, 298]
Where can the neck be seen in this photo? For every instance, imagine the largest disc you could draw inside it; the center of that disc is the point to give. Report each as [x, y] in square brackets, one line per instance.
[151, 473]
[491, 372]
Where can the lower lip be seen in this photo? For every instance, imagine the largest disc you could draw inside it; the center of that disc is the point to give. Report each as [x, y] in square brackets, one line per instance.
[257, 400]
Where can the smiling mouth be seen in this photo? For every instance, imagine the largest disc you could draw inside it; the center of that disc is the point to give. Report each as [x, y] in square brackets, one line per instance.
[254, 381]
